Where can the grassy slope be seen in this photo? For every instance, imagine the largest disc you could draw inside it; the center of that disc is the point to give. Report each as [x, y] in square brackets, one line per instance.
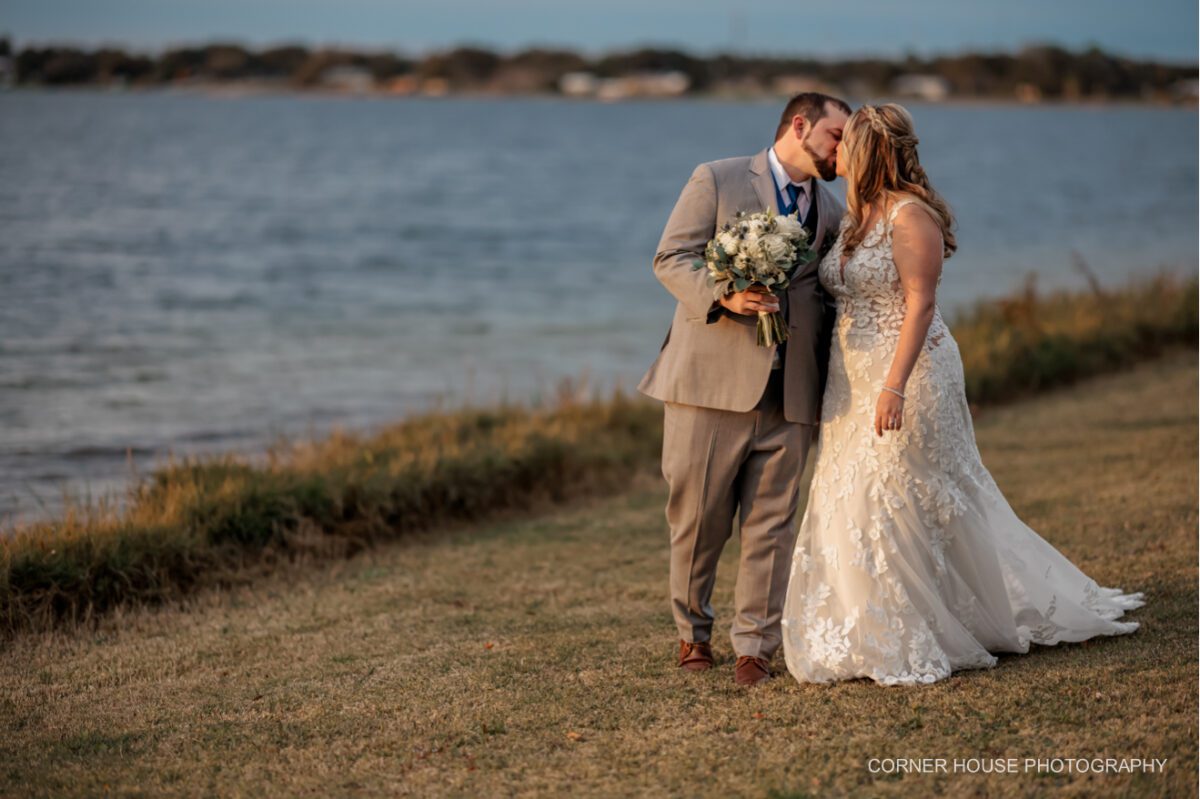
[209, 521]
[536, 656]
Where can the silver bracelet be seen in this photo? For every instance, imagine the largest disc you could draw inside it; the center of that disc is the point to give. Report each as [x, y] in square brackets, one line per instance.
[894, 391]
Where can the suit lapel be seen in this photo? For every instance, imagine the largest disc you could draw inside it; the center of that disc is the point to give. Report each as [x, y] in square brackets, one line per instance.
[763, 182]
[822, 215]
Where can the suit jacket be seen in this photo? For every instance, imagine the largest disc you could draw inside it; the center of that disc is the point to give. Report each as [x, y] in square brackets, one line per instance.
[710, 356]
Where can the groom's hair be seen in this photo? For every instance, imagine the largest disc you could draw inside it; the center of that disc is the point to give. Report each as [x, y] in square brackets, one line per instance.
[812, 105]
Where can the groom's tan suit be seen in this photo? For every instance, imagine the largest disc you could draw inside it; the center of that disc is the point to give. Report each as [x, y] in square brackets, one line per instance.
[736, 432]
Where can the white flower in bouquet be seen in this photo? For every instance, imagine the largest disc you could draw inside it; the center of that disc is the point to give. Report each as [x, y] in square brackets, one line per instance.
[729, 241]
[790, 227]
[776, 247]
[757, 249]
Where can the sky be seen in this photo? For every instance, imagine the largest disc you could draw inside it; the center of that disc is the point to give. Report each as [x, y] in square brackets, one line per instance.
[1153, 29]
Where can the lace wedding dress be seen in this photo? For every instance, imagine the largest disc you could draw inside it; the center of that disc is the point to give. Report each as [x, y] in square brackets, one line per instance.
[909, 563]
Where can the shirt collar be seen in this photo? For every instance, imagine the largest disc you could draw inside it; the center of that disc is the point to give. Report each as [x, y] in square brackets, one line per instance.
[781, 175]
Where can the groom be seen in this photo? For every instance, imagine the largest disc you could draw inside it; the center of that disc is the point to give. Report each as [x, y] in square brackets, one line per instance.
[738, 418]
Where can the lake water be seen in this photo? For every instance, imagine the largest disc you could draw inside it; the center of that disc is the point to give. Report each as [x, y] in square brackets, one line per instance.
[186, 273]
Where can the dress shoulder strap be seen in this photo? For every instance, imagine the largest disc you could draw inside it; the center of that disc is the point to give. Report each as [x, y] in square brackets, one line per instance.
[896, 206]
[891, 217]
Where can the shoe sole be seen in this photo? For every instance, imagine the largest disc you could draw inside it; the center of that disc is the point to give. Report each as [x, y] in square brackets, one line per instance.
[759, 681]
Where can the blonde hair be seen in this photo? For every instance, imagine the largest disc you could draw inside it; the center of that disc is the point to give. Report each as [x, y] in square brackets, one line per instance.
[881, 153]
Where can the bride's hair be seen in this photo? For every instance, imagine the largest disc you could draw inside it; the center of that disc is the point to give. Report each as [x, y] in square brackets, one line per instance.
[881, 153]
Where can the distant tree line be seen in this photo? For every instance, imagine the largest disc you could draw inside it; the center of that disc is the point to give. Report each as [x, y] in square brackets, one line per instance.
[1053, 72]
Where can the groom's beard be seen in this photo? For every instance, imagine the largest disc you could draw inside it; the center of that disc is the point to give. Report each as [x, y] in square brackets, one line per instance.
[826, 167]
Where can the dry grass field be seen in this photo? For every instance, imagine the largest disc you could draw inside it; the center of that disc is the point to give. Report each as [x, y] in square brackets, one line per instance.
[534, 656]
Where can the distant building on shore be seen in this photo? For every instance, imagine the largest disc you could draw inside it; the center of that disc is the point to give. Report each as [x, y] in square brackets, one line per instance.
[643, 84]
[923, 87]
[402, 85]
[435, 87]
[1027, 93]
[1185, 91]
[578, 84]
[346, 78]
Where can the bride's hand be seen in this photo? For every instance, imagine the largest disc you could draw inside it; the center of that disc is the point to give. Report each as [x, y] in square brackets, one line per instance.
[888, 412]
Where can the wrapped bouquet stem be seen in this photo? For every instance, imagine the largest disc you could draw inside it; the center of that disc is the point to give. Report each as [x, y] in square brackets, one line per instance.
[757, 249]
[771, 329]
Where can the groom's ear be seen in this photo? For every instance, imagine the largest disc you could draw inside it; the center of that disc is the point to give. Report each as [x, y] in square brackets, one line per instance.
[799, 125]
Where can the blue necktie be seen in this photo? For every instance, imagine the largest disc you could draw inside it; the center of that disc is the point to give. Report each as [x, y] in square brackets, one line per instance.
[794, 192]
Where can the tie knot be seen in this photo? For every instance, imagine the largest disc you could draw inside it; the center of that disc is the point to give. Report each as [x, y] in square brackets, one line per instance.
[796, 191]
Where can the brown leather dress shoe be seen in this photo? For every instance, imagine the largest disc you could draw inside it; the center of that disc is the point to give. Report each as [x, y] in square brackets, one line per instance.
[695, 656]
[750, 670]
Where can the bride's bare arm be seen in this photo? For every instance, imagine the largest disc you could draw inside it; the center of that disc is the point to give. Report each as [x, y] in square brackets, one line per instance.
[917, 252]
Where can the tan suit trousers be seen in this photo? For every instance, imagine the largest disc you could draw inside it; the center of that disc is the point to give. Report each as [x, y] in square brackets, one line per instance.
[718, 462]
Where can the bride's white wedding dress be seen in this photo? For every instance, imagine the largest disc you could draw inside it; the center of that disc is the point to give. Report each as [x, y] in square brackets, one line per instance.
[909, 563]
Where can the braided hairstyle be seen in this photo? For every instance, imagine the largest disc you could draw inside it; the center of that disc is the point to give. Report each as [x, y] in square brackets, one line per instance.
[880, 149]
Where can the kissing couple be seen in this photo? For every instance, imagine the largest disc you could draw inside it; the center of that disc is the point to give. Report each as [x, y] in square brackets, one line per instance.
[908, 563]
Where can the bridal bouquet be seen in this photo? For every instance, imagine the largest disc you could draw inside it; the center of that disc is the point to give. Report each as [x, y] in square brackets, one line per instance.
[763, 248]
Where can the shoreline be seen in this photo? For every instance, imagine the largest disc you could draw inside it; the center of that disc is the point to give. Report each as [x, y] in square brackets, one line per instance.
[232, 91]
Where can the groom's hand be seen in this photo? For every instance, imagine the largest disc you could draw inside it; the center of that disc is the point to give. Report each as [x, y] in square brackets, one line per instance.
[750, 301]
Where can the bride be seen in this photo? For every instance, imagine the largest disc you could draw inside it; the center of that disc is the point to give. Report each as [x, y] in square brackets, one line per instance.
[909, 563]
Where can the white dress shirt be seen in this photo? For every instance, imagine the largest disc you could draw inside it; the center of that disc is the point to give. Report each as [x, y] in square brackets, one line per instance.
[803, 198]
